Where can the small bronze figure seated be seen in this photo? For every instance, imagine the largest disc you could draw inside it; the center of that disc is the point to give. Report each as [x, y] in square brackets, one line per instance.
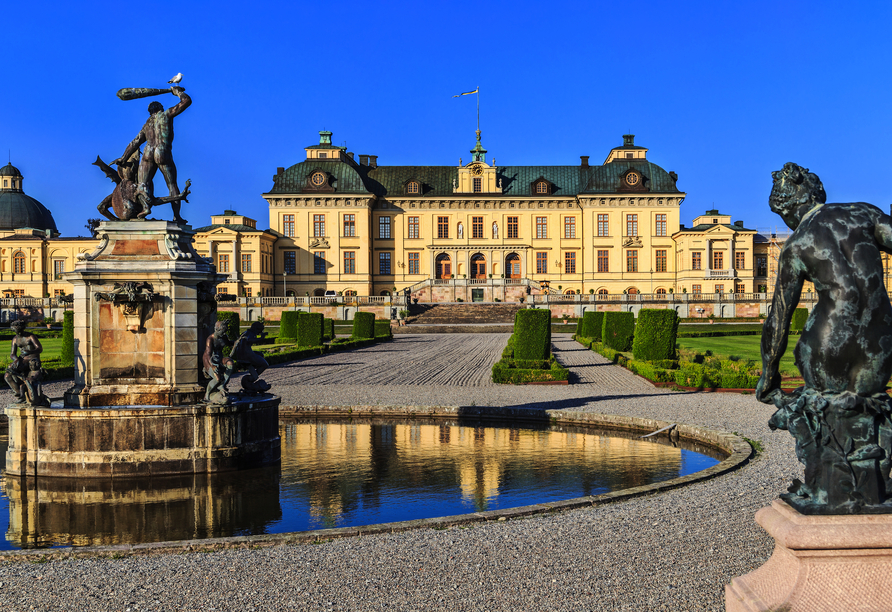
[250, 360]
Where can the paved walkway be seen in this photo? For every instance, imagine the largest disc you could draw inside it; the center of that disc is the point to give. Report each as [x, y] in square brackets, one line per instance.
[670, 551]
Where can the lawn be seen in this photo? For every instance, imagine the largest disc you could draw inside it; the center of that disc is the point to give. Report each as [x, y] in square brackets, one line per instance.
[744, 347]
[52, 349]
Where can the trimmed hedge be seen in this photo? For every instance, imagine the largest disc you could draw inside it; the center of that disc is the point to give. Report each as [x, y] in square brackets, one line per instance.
[800, 316]
[328, 332]
[618, 330]
[364, 325]
[532, 328]
[309, 329]
[288, 328]
[655, 334]
[503, 373]
[382, 329]
[67, 356]
[591, 324]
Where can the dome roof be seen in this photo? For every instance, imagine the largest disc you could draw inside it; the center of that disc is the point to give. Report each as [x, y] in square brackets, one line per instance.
[18, 210]
[9, 170]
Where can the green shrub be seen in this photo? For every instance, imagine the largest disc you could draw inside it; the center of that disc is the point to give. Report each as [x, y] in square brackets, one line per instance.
[309, 329]
[68, 338]
[382, 329]
[655, 334]
[288, 327]
[232, 320]
[504, 373]
[591, 325]
[364, 325]
[651, 372]
[618, 330]
[328, 332]
[730, 379]
[693, 375]
[532, 328]
[800, 316]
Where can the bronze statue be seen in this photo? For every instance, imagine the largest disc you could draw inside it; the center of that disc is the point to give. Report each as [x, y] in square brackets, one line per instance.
[841, 417]
[124, 200]
[157, 134]
[217, 367]
[246, 357]
[24, 373]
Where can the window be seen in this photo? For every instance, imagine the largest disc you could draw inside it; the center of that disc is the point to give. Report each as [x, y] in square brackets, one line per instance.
[290, 262]
[58, 268]
[478, 185]
[414, 263]
[413, 228]
[661, 291]
[442, 227]
[247, 292]
[383, 263]
[541, 227]
[602, 292]
[542, 187]
[476, 227]
[739, 261]
[541, 263]
[602, 225]
[739, 288]
[349, 262]
[58, 292]
[696, 264]
[631, 225]
[222, 290]
[318, 262]
[660, 264]
[661, 225]
[412, 187]
[223, 263]
[602, 261]
[720, 288]
[569, 263]
[246, 262]
[632, 261]
[513, 227]
[718, 260]
[226, 221]
[569, 227]
[384, 227]
[695, 289]
[321, 156]
[288, 225]
[761, 265]
[318, 226]
[350, 293]
[349, 226]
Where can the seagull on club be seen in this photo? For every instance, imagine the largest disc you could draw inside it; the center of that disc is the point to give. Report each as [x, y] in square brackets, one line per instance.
[176, 79]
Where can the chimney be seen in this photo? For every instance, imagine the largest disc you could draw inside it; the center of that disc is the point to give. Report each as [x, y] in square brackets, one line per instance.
[738, 224]
[584, 160]
[279, 172]
[363, 160]
[373, 161]
[350, 154]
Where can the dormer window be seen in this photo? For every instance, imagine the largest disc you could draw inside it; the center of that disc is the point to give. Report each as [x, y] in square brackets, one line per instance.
[630, 156]
[226, 221]
[323, 155]
[413, 188]
[542, 187]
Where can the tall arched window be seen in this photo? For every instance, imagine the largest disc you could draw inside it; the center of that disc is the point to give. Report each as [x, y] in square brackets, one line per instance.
[632, 291]
[444, 266]
[602, 292]
[478, 266]
[512, 265]
[18, 263]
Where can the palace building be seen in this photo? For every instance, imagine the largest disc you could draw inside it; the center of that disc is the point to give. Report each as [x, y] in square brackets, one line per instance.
[360, 227]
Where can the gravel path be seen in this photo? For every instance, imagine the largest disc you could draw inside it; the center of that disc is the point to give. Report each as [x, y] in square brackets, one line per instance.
[670, 551]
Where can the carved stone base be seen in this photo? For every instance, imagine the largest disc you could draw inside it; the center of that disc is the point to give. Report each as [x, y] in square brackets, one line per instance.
[820, 563]
[142, 440]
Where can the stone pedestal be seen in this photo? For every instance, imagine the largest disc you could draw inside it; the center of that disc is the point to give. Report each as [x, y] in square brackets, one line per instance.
[136, 350]
[820, 563]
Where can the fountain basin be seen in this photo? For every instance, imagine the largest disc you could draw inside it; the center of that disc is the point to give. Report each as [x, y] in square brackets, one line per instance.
[142, 440]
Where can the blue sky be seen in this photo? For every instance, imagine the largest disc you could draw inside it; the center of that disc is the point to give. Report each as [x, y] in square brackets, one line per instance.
[722, 93]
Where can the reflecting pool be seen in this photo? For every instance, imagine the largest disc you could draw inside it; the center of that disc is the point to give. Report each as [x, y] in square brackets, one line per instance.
[338, 473]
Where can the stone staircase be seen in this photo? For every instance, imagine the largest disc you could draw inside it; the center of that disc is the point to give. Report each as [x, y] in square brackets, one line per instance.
[460, 318]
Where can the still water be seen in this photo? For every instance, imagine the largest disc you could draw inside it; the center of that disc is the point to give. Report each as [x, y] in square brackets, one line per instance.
[338, 473]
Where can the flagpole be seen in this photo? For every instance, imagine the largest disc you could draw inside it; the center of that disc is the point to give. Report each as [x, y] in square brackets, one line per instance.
[478, 107]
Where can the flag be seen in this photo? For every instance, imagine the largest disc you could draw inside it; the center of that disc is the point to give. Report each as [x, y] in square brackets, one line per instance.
[467, 93]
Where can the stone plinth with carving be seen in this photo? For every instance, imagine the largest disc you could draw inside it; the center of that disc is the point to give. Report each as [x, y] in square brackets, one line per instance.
[821, 563]
[143, 306]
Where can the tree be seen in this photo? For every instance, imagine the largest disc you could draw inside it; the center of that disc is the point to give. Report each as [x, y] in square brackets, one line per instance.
[93, 225]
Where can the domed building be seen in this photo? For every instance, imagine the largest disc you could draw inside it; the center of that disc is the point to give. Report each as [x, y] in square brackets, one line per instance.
[33, 256]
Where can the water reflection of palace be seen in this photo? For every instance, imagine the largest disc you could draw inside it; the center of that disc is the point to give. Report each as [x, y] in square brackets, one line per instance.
[89, 512]
[355, 460]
